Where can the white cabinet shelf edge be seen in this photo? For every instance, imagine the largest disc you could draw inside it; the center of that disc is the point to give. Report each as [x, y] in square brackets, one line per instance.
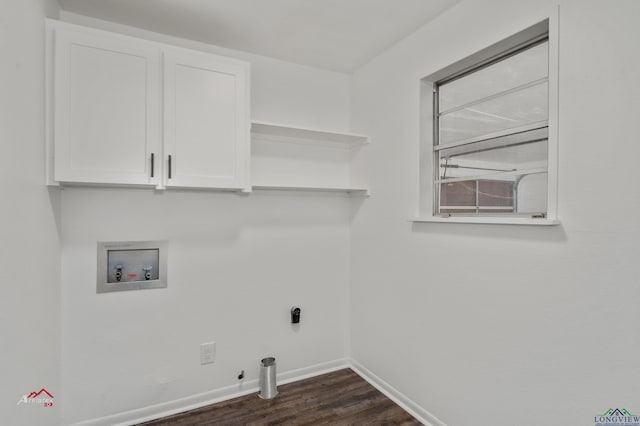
[352, 191]
[286, 133]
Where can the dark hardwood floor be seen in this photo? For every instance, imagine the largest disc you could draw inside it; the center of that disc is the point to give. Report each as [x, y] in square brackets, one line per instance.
[338, 398]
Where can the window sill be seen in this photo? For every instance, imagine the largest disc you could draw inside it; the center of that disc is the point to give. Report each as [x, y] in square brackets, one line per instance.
[489, 220]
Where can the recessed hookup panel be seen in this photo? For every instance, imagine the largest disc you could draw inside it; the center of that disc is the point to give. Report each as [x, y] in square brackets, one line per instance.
[131, 265]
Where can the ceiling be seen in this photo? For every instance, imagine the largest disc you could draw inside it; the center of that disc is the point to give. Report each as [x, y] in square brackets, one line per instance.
[339, 35]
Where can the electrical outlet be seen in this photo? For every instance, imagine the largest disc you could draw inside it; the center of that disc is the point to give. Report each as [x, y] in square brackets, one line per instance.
[207, 353]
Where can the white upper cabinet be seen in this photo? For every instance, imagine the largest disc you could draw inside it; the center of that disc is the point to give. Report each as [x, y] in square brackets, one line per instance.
[127, 111]
[206, 124]
[106, 103]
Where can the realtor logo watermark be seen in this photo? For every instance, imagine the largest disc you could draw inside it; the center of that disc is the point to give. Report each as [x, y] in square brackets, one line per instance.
[42, 397]
[616, 417]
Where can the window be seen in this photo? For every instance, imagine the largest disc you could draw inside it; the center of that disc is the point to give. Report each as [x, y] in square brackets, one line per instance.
[489, 138]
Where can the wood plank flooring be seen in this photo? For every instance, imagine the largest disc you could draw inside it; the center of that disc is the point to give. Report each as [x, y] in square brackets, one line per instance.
[338, 398]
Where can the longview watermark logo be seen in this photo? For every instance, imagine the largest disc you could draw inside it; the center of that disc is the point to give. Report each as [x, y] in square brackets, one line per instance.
[616, 417]
[42, 397]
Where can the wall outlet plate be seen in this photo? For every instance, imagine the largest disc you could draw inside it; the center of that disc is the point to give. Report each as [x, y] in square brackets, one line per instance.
[207, 353]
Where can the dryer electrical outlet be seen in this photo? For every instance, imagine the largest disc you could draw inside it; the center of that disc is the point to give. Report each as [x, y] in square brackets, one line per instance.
[131, 265]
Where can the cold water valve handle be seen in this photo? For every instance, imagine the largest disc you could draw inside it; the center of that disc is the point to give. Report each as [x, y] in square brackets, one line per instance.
[119, 272]
[147, 272]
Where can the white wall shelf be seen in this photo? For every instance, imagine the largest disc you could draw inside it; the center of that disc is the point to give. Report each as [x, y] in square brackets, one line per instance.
[293, 158]
[286, 133]
[352, 191]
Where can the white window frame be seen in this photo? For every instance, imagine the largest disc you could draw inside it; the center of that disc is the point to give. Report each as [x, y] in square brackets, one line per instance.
[426, 188]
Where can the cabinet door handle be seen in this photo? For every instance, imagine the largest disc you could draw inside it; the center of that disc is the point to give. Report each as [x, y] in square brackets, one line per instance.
[169, 167]
[153, 162]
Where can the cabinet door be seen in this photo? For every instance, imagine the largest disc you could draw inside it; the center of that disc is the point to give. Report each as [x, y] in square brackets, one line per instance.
[206, 123]
[107, 112]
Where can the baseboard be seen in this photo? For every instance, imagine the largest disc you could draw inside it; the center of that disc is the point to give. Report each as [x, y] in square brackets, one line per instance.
[314, 370]
[396, 396]
[169, 408]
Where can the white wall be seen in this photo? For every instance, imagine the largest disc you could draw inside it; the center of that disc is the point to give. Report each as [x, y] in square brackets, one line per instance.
[236, 266]
[29, 248]
[504, 325]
